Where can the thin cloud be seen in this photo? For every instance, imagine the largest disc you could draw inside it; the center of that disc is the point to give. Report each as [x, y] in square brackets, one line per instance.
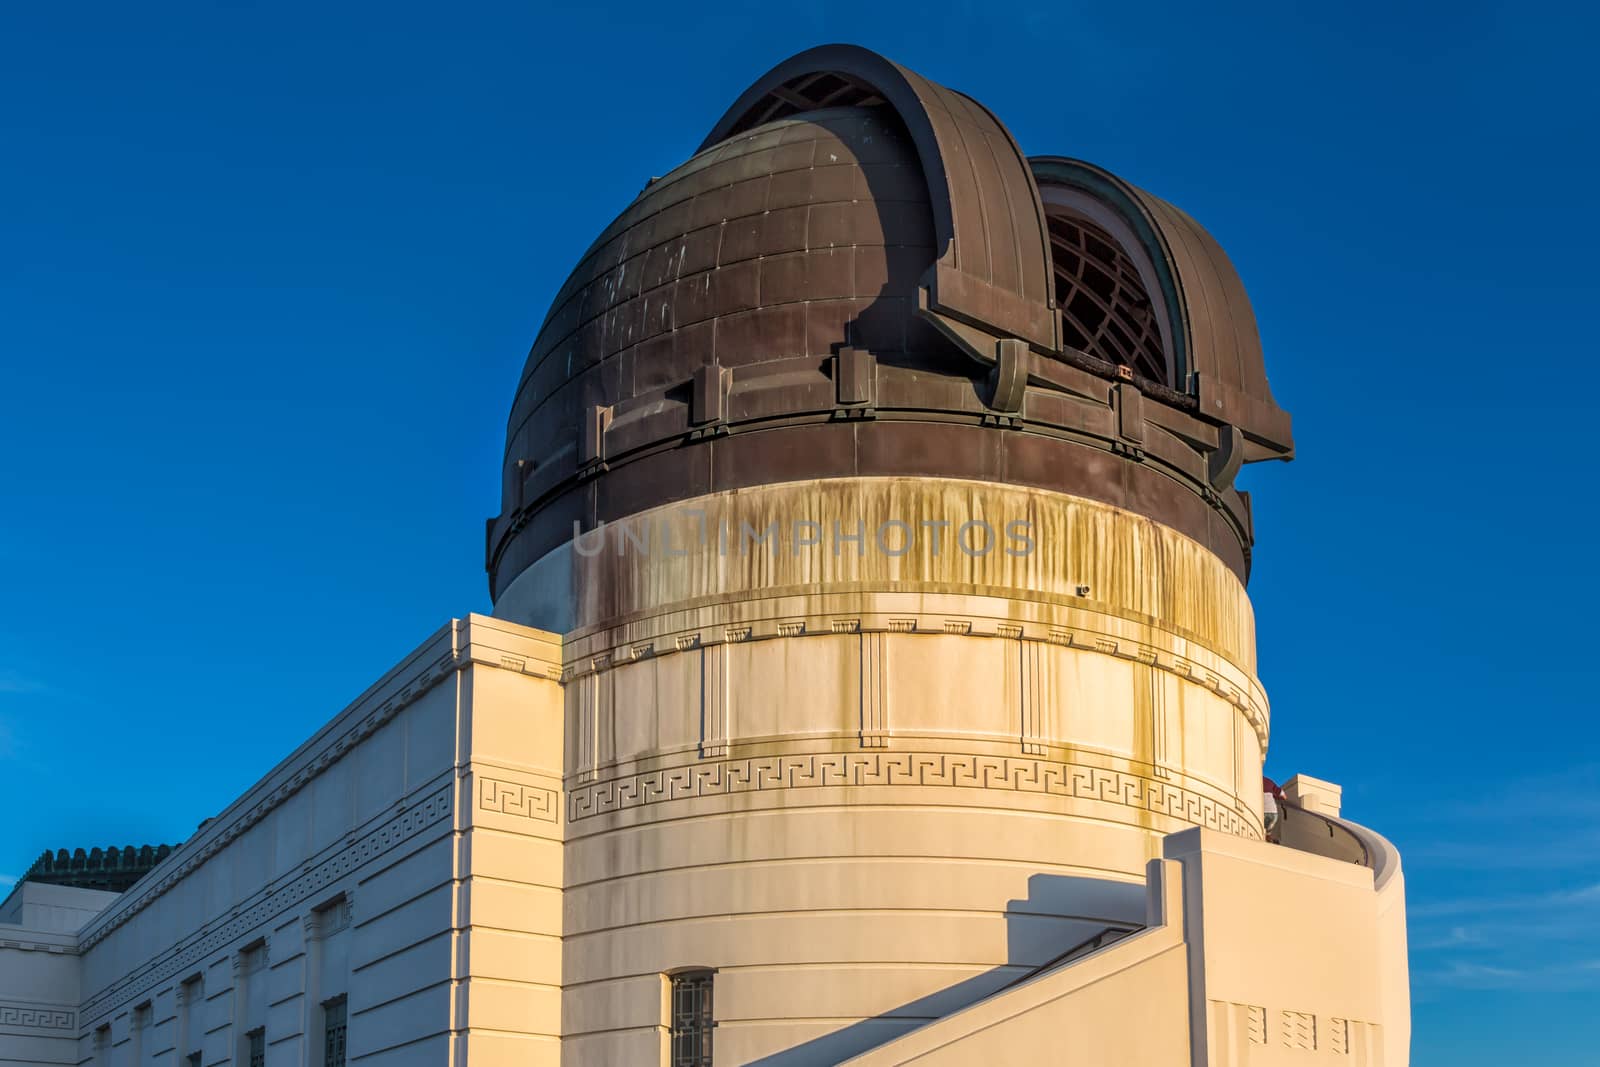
[1572, 844]
[1481, 970]
[12, 682]
[1455, 937]
[1557, 977]
[1582, 896]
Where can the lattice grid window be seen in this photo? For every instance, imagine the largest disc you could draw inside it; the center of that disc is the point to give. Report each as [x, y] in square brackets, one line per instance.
[692, 1020]
[333, 1033]
[1105, 311]
[256, 1041]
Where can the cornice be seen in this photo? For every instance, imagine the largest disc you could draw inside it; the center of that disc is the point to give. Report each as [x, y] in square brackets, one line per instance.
[22, 939]
[460, 643]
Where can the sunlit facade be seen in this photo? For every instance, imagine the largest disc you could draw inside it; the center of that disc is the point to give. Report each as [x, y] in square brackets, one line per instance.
[871, 676]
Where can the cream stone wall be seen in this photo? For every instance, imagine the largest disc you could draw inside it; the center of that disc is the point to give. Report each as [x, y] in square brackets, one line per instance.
[1254, 955]
[39, 971]
[882, 796]
[869, 786]
[1125, 1004]
[1285, 954]
[509, 858]
[406, 857]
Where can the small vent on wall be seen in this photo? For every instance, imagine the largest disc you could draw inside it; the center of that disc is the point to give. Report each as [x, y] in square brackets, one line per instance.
[1299, 1029]
[1256, 1024]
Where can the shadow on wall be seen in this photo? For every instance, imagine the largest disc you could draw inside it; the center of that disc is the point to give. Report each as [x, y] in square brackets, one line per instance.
[889, 327]
[1053, 919]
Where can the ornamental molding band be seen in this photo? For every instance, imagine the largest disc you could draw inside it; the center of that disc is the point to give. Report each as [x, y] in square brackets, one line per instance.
[65, 947]
[435, 809]
[37, 1017]
[513, 798]
[1199, 667]
[926, 769]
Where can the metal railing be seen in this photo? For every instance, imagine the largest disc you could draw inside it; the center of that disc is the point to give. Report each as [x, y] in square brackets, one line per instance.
[1307, 831]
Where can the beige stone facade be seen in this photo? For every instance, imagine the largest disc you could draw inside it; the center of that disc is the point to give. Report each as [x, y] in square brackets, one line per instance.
[871, 676]
[930, 806]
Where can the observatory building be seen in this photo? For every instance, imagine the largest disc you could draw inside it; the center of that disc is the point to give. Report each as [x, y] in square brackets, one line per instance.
[871, 676]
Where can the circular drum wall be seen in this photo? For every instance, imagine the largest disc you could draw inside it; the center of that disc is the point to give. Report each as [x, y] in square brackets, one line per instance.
[869, 782]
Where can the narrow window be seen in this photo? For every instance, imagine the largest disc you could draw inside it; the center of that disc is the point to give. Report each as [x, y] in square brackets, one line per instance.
[333, 1023]
[141, 1023]
[191, 1000]
[256, 1047]
[692, 1020]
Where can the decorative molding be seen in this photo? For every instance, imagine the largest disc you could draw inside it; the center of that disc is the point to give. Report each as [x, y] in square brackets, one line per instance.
[1160, 746]
[1037, 694]
[511, 798]
[592, 690]
[925, 769]
[416, 819]
[196, 852]
[54, 947]
[715, 720]
[38, 1017]
[874, 691]
[1242, 692]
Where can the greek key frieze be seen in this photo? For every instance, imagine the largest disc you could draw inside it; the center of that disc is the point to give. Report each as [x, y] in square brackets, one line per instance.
[855, 769]
[512, 798]
[34, 1017]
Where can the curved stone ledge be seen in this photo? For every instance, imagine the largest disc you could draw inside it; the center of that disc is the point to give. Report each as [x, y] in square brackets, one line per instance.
[1084, 629]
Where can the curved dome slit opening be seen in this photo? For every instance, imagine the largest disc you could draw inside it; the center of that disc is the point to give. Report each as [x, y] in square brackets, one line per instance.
[1105, 309]
[809, 92]
[1090, 242]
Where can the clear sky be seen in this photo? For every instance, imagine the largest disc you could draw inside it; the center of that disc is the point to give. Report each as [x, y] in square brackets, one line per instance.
[268, 275]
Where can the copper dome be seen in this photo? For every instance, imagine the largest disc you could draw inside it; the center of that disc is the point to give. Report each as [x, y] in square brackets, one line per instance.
[861, 274]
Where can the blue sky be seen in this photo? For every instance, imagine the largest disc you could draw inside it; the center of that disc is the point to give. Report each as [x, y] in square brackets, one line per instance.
[267, 277]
